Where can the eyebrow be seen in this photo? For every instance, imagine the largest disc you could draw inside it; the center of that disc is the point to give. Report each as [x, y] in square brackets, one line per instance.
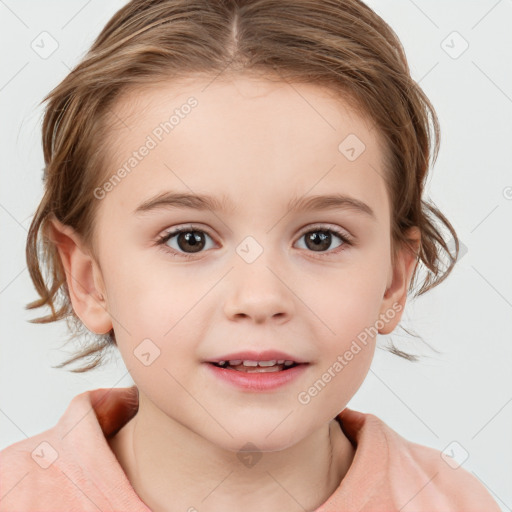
[169, 199]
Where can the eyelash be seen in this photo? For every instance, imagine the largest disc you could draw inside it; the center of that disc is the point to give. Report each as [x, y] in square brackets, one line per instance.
[162, 240]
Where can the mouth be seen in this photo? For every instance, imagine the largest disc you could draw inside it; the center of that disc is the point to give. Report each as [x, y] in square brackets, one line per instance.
[251, 366]
[258, 371]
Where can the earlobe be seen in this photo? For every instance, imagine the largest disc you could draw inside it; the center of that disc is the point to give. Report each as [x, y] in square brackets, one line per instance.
[83, 277]
[396, 292]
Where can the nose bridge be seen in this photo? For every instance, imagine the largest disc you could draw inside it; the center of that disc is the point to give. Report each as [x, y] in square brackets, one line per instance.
[256, 288]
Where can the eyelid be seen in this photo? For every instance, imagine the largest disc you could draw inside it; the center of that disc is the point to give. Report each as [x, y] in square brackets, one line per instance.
[327, 226]
[185, 227]
[174, 231]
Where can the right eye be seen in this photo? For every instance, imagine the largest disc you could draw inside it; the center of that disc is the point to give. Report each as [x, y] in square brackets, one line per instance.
[188, 241]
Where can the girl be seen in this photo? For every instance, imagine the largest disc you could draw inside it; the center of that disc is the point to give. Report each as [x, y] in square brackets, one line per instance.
[233, 199]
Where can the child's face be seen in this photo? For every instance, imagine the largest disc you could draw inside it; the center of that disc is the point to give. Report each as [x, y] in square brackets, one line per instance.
[259, 145]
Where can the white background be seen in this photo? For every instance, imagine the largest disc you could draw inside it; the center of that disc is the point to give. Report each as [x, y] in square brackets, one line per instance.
[463, 394]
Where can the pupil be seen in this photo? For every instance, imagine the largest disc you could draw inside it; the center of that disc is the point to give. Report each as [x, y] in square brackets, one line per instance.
[318, 239]
[193, 239]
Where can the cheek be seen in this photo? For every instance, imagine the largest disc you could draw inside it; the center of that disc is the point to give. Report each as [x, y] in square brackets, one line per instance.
[143, 293]
[346, 340]
[346, 303]
[345, 300]
[352, 319]
[155, 316]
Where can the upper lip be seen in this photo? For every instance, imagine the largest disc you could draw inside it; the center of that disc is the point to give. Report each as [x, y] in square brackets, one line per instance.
[266, 355]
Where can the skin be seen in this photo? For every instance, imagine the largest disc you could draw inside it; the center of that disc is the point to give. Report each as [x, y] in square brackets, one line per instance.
[260, 143]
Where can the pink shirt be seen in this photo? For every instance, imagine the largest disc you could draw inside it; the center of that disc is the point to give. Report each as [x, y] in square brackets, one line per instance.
[70, 467]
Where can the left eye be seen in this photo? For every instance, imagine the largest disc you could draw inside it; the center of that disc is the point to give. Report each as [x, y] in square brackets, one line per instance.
[319, 240]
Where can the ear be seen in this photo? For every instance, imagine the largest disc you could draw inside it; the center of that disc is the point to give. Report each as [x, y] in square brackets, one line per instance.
[83, 277]
[400, 277]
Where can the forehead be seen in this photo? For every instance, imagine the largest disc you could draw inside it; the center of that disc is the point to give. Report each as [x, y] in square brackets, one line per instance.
[318, 106]
[243, 137]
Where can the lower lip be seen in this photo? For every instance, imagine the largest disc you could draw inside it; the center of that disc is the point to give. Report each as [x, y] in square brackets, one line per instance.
[258, 381]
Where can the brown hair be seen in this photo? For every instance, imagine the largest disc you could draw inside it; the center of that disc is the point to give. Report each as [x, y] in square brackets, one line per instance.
[340, 44]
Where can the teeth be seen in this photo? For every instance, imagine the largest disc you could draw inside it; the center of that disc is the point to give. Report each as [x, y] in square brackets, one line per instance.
[264, 364]
[248, 362]
[256, 364]
[267, 363]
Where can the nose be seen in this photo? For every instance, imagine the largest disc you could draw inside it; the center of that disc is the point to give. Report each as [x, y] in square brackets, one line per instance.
[259, 292]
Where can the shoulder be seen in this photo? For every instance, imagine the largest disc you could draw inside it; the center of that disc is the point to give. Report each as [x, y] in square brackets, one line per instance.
[444, 476]
[30, 478]
[70, 466]
[419, 477]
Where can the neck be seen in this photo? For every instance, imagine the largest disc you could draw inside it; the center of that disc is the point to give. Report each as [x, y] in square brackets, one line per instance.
[173, 469]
